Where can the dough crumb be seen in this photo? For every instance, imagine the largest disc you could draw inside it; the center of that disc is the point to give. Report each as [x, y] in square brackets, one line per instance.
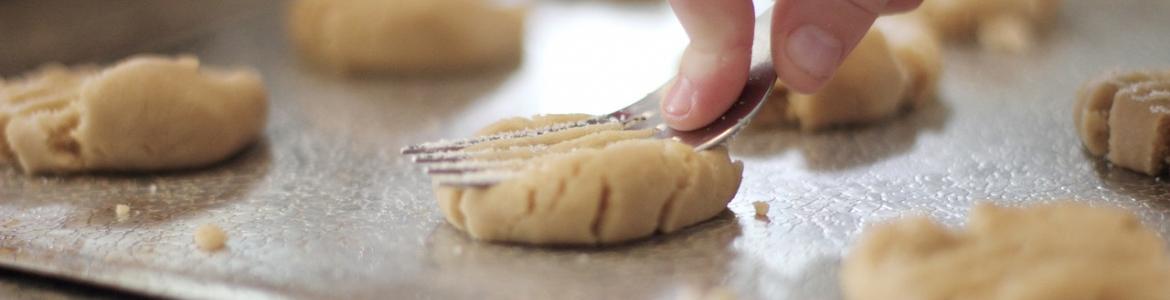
[1048, 251]
[122, 212]
[761, 208]
[720, 293]
[210, 237]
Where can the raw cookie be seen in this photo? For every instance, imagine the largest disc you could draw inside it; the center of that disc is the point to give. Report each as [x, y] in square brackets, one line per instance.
[880, 78]
[591, 185]
[406, 36]
[1001, 25]
[1049, 251]
[1124, 117]
[917, 49]
[146, 113]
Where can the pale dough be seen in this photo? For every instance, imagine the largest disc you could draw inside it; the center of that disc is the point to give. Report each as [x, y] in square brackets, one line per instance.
[1000, 25]
[918, 50]
[146, 113]
[210, 237]
[592, 186]
[122, 212]
[761, 208]
[1125, 117]
[1051, 251]
[406, 36]
[896, 66]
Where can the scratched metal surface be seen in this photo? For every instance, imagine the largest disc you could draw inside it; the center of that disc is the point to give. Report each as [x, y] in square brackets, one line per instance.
[324, 207]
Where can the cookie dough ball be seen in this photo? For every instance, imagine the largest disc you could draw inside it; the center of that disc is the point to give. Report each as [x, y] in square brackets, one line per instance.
[1125, 118]
[1051, 251]
[1001, 25]
[877, 80]
[918, 50]
[406, 36]
[588, 186]
[146, 113]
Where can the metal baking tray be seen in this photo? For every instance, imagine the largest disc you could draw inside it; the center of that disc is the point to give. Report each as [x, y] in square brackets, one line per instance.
[325, 207]
[33, 32]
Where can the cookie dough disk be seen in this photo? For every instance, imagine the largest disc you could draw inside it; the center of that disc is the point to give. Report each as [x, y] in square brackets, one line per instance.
[609, 187]
[1007, 25]
[1052, 251]
[872, 84]
[144, 114]
[962, 18]
[868, 87]
[406, 36]
[1124, 117]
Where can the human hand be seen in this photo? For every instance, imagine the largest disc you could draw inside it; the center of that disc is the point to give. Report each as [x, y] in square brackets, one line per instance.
[810, 39]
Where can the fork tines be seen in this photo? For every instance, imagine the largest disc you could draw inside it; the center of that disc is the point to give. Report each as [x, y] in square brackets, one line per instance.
[485, 160]
[445, 145]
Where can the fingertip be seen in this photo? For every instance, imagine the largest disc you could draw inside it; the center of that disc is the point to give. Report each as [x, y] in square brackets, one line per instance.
[714, 66]
[677, 104]
[811, 38]
[706, 86]
[800, 83]
[681, 123]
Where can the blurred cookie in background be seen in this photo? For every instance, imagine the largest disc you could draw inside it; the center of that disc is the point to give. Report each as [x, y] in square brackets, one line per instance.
[895, 68]
[406, 36]
[1011, 26]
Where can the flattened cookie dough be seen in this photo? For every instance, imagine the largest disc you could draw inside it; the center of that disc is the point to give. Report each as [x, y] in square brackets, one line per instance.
[1050, 251]
[998, 25]
[406, 36]
[1125, 117]
[145, 113]
[592, 185]
[879, 79]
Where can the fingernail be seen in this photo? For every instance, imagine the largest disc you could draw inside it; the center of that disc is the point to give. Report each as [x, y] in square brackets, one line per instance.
[814, 50]
[681, 97]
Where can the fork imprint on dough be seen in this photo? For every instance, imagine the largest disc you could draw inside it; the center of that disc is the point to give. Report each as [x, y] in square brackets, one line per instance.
[489, 159]
[452, 145]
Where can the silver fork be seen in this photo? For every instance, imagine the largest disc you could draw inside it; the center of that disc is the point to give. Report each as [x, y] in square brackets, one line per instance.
[451, 165]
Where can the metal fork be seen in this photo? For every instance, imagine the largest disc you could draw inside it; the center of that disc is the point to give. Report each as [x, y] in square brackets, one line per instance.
[451, 164]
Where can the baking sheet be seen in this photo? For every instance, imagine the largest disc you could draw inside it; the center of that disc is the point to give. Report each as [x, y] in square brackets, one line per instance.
[324, 207]
[67, 31]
